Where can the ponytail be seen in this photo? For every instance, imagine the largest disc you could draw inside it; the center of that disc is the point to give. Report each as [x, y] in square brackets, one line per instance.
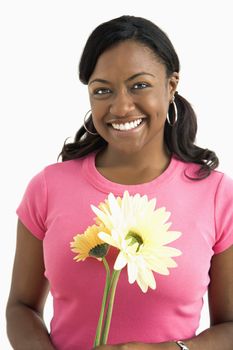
[180, 139]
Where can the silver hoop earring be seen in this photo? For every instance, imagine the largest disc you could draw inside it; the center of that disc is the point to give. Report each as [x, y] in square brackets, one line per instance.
[84, 124]
[175, 113]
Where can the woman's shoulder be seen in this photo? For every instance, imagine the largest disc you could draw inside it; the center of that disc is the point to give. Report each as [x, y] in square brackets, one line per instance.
[65, 167]
[216, 176]
[58, 166]
[60, 172]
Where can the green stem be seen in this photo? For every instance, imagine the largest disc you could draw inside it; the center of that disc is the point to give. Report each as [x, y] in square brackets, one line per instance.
[105, 296]
[113, 285]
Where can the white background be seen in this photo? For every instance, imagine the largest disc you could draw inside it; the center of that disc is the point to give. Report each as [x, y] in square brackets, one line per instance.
[43, 102]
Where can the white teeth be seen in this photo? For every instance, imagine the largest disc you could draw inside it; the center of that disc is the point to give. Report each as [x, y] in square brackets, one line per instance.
[127, 126]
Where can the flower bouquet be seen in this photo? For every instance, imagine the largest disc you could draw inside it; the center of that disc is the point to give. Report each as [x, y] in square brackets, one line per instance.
[140, 233]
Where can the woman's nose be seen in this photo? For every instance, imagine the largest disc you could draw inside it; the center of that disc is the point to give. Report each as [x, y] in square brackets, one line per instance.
[122, 104]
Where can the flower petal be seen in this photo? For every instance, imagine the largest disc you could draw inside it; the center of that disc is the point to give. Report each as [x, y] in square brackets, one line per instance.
[120, 262]
[146, 279]
[108, 239]
[149, 278]
[102, 216]
[170, 236]
[132, 271]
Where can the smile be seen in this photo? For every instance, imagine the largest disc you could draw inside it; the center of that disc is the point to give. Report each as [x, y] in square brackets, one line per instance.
[128, 125]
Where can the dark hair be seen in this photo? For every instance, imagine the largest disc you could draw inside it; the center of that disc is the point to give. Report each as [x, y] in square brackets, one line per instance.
[179, 138]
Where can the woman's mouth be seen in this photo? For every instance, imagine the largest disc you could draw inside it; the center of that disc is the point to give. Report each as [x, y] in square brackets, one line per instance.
[128, 127]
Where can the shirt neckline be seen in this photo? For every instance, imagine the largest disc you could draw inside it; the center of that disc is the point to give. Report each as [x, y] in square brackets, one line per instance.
[97, 180]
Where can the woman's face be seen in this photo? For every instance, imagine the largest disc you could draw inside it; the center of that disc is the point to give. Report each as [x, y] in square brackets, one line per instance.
[130, 95]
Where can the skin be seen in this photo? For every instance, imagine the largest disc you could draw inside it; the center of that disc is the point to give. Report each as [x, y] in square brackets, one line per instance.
[140, 156]
[125, 160]
[29, 289]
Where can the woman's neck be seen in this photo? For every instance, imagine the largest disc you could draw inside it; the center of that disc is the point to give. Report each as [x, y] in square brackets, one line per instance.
[132, 168]
[109, 158]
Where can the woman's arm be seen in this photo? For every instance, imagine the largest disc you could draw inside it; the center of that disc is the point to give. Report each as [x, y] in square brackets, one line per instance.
[29, 289]
[220, 334]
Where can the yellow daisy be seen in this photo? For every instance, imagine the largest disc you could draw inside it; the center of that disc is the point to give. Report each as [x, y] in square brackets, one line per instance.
[141, 234]
[89, 244]
[104, 206]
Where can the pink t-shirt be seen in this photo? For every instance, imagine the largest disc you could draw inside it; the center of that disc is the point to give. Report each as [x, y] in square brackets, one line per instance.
[57, 205]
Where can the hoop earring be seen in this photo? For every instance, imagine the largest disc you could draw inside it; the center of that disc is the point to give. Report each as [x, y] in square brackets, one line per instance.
[84, 124]
[175, 111]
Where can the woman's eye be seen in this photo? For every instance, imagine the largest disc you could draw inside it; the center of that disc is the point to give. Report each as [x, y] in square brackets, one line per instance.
[140, 86]
[101, 91]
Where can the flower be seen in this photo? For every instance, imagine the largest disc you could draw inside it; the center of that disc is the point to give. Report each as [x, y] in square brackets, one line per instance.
[141, 234]
[89, 244]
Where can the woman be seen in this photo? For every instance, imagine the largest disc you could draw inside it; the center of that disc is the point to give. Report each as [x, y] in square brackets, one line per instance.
[139, 137]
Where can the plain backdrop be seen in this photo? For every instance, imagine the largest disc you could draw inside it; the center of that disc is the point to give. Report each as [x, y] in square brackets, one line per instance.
[43, 102]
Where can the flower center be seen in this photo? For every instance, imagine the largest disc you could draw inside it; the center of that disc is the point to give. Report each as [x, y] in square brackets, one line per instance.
[135, 238]
[99, 251]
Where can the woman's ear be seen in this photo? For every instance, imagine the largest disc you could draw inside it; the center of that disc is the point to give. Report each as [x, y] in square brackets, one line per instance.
[173, 81]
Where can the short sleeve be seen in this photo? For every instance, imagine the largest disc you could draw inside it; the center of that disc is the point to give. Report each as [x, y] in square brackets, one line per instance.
[224, 215]
[32, 209]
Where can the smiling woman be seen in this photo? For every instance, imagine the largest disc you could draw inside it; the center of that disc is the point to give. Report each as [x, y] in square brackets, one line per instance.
[131, 75]
[139, 139]
[131, 96]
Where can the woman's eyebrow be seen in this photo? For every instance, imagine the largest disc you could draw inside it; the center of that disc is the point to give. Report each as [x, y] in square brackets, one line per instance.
[100, 81]
[138, 74]
[97, 80]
